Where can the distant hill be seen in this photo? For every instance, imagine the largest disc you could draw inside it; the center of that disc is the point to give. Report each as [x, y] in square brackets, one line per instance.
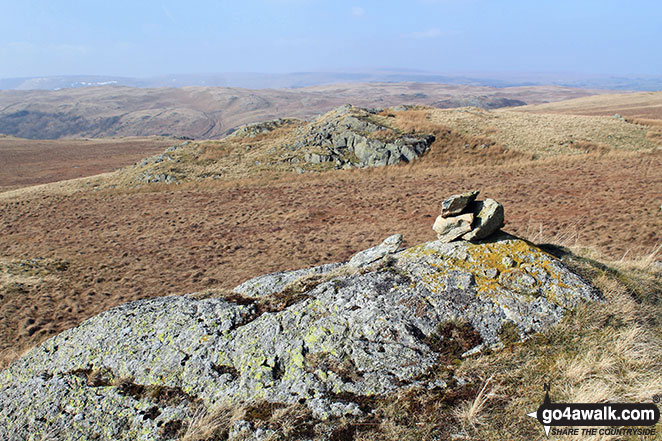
[647, 105]
[212, 112]
[295, 80]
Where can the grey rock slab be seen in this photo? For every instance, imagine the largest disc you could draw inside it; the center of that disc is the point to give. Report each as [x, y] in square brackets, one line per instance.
[274, 283]
[457, 203]
[345, 137]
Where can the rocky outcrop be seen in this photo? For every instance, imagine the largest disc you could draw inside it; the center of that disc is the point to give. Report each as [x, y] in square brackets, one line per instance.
[325, 337]
[252, 130]
[352, 137]
[462, 217]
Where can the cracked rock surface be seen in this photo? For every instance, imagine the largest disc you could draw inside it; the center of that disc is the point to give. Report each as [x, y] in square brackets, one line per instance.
[141, 371]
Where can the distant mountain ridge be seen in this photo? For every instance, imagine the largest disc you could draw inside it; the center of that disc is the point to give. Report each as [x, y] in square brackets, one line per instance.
[213, 112]
[306, 79]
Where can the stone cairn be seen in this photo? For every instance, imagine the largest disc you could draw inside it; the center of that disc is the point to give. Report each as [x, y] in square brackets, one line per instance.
[463, 217]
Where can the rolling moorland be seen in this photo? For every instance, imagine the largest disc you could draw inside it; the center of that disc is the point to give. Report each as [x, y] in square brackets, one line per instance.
[585, 174]
[212, 112]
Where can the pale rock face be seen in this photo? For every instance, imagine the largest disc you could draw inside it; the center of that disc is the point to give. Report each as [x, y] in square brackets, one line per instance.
[374, 318]
[456, 204]
[488, 218]
[450, 228]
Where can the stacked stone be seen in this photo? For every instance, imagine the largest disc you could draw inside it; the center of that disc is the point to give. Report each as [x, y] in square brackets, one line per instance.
[463, 217]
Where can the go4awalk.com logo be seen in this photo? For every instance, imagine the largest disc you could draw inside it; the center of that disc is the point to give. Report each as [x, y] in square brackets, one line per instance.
[622, 419]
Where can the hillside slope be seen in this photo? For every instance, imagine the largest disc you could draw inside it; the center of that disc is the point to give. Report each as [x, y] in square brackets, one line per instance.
[351, 137]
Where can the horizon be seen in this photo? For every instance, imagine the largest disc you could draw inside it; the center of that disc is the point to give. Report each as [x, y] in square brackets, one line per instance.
[485, 74]
[276, 37]
[299, 80]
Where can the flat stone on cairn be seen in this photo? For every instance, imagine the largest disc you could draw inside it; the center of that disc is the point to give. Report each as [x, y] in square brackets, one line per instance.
[456, 204]
[462, 217]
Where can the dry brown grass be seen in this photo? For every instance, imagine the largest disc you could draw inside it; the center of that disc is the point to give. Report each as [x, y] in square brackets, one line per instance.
[467, 136]
[640, 105]
[470, 413]
[287, 422]
[215, 423]
[653, 123]
[28, 162]
[544, 134]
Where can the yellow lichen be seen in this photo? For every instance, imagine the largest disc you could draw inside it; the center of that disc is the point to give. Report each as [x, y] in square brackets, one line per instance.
[478, 258]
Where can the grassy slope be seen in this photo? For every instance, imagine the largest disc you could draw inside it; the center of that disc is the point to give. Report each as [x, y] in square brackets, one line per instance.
[27, 162]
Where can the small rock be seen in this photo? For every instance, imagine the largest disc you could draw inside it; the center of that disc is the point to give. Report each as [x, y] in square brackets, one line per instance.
[366, 257]
[315, 158]
[240, 429]
[488, 218]
[491, 273]
[451, 228]
[457, 203]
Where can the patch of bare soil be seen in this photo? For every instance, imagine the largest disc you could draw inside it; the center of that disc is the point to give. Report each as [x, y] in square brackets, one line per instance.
[30, 162]
[120, 246]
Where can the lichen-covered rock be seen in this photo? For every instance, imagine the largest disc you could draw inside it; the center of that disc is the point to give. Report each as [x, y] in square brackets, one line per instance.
[274, 283]
[252, 130]
[456, 204]
[140, 371]
[450, 228]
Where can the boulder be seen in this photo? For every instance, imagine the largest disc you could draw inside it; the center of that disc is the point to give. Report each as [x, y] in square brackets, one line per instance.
[315, 158]
[456, 204]
[488, 218]
[147, 369]
[450, 228]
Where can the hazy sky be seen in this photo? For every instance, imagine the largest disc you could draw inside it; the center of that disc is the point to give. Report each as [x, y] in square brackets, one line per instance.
[152, 37]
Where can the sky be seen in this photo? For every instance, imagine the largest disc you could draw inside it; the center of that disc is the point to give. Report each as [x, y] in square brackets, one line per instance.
[142, 38]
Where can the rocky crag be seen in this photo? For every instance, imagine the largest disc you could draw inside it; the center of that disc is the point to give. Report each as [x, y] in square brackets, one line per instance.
[327, 338]
[348, 137]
